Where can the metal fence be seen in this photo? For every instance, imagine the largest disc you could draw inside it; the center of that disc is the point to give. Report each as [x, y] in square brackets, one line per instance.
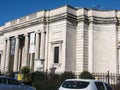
[110, 78]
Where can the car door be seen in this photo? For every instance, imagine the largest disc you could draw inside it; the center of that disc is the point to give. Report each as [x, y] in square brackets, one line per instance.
[100, 86]
[4, 84]
[107, 87]
[14, 84]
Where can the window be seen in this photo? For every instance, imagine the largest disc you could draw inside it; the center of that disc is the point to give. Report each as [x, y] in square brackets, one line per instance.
[108, 87]
[75, 84]
[3, 81]
[12, 46]
[100, 86]
[56, 54]
[13, 82]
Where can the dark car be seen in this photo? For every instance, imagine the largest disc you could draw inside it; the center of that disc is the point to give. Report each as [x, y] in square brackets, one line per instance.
[7, 83]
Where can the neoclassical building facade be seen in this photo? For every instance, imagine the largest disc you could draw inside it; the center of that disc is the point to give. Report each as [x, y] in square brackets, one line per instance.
[64, 39]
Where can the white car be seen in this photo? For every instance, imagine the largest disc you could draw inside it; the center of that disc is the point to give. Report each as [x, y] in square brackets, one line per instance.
[84, 84]
[7, 83]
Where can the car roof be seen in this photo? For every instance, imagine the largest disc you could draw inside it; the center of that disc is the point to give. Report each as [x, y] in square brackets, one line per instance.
[88, 80]
[7, 77]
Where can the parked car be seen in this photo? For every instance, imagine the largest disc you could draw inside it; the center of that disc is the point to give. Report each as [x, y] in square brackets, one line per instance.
[84, 84]
[7, 83]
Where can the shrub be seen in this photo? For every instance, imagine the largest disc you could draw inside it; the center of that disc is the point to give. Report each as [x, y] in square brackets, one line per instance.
[25, 70]
[86, 75]
[26, 74]
[50, 82]
[66, 75]
[53, 81]
[38, 80]
[38, 76]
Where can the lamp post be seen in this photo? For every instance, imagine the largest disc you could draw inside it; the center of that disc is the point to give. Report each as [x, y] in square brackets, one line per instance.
[108, 77]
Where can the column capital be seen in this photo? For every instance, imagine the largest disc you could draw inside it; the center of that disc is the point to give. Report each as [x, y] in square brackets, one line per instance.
[43, 31]
[37, 31]
[5, 38]
[16, 36]
[26, 34]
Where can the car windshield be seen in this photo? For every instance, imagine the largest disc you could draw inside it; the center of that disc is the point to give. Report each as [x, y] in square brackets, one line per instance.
[75, 84]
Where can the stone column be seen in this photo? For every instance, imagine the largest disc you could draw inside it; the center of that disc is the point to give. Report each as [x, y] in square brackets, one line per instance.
[31, 61]
[37, 43]
[37, 46]
[25, 63]
[7, 55]
[4, 57]
[42, 46]
[15, 68]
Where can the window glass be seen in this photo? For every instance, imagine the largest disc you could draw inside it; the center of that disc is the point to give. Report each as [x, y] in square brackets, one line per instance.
[13, 82]
[108, 87]
[56, 54]
[75, 84]
[100, 86]
[3, 81]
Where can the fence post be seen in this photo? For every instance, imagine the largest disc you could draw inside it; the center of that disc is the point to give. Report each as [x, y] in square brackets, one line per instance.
[108, 77]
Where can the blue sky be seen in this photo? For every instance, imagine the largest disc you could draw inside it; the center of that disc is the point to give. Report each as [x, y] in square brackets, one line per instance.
[12, 9]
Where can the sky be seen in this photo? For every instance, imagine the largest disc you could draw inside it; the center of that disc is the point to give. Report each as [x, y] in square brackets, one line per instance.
[13, 9]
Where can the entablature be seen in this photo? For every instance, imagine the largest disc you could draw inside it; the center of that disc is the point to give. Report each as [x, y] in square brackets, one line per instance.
[73, 15]
[43, 20]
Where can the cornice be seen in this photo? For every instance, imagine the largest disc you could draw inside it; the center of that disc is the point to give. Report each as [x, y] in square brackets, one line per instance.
[63, 16]
[43, 20]
[23, 25]
[101, 20]
[97, 20]
[1, 33]
[56, 42]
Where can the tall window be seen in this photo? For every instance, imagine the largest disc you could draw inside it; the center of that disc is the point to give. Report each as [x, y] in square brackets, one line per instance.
[56, 54]
[12, 46]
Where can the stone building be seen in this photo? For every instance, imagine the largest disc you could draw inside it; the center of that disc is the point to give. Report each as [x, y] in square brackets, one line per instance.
[64, 39]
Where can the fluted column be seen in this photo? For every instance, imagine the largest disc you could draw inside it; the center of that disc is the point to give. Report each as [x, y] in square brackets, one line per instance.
[37, 46]
[7, 55]
[26, 50]
[15, 68]
[37, 43]
[42, 46]
[4, 56]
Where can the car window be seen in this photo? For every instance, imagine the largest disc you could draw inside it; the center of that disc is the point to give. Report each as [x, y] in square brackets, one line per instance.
[3, 81]
[100, 86]
[75, 84]
[108, 87]
[13, 82]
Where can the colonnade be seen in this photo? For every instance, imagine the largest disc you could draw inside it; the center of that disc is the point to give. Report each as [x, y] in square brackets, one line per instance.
[39, 51]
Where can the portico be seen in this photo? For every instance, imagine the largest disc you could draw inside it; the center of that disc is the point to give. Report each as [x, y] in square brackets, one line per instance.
[21, 51]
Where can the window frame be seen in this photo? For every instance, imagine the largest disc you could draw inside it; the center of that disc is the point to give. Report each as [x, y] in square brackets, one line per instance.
[56, 54]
